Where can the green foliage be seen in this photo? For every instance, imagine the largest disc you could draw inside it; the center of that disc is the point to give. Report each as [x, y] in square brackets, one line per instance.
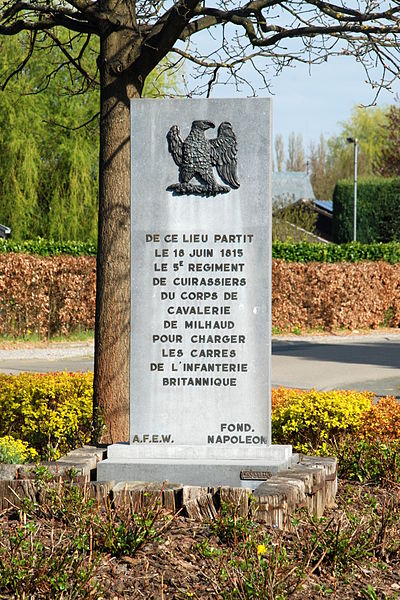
[339, 546]
[292, 221]
[309, 420]
[373, 461]
[369, 126]
[49, 137]
[62, 515]
[119, 530]
[387, 163]
[249, 563]
[15, 451]
[332, 159]
[48, 170]
[313, 557]
[61, 500]
[31, 568]
[256, 570]
[63, 535]
[363, 435]
[231, 526]
[46, 247]
[378, 210]
[124, 531]
[370, 594]
[52, 413]
[378, 134]
[331, 253]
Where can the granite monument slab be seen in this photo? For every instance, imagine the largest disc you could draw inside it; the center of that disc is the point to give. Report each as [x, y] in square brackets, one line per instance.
[200, 295]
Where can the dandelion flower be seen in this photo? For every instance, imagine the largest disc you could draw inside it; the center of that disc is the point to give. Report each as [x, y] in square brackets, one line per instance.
[261, 549]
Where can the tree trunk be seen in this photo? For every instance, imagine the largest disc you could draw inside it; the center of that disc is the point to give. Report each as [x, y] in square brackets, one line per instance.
[111, 368]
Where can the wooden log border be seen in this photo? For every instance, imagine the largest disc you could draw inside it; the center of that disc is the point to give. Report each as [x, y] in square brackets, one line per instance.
[310, 483]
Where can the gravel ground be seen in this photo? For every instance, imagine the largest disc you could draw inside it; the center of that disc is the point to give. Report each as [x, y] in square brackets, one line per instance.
[44, 351]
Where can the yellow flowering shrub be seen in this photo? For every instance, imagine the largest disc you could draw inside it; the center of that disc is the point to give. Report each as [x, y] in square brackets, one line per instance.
[14, 451]
[51, 412]
[362, 434]
[282, 395]
[309, 419]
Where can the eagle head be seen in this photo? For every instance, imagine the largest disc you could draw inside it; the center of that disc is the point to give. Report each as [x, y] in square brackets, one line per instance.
[225, 128]
[203, 125]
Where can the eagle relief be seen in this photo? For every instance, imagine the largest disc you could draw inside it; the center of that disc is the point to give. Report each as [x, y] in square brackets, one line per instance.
[197, 155]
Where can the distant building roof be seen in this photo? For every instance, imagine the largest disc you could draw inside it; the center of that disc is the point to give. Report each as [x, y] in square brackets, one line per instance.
[291, 186]
[326, 205]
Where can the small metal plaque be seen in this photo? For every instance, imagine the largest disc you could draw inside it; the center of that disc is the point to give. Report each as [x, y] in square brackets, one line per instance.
[255, 475]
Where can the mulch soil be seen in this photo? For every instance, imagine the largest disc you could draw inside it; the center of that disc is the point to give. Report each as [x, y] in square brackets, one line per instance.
[366, 520]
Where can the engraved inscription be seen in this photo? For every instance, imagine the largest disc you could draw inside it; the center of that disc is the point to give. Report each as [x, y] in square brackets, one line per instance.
[192, 319]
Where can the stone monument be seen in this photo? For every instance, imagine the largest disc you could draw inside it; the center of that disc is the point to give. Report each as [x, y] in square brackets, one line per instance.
[200, 409]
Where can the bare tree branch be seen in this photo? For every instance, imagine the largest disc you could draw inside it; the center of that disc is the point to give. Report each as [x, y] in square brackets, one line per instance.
[23, 63]
[45, 25]
[56, 124]
[165, 32]
[76, 62]
[252, 31]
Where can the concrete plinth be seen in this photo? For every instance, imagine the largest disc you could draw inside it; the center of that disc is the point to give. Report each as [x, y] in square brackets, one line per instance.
[194, 465]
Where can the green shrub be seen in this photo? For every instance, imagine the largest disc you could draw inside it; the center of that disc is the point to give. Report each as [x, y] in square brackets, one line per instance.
[14, 451]
[365, 436]
[309, 419]
[44, 247]
[56, 540]
[32, 568]
[378, 210]
[304, 252]
[52, 413]
[373, 461]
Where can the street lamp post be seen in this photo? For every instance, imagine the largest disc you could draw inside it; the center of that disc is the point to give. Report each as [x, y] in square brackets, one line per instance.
[355, 142]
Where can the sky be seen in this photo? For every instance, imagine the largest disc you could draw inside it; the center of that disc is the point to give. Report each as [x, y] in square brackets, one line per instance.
[317, 103]
[308, 100]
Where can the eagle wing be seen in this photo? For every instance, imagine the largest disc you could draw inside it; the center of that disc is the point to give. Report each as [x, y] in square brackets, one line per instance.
[224, 154]
[175, 144]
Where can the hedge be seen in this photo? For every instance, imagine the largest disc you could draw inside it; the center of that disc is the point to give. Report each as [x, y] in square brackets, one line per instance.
[46, 295]
[45, 416]
[378, 210]
[362, 434]
[309, 419]
[289, 251]
[43, 247]
[51, 295]
[332, 296]
[305, 252]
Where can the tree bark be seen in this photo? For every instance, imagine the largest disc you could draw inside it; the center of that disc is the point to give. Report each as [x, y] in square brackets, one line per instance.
[125, 60]
[111, 369]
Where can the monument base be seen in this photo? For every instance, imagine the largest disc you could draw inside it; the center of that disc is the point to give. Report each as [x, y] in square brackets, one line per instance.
[194, 465]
